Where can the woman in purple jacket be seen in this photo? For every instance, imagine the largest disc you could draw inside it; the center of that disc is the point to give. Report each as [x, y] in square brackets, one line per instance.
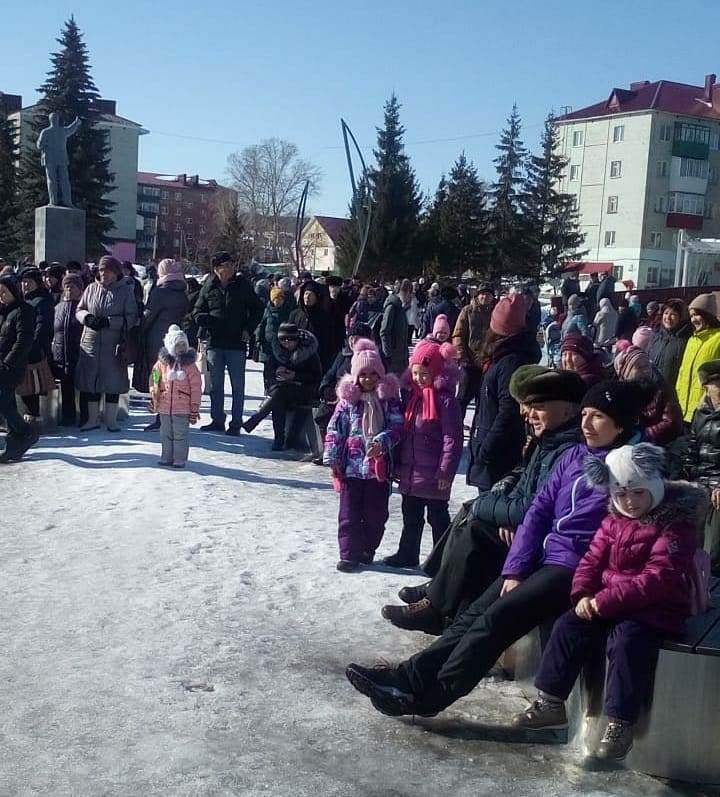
[535, 584]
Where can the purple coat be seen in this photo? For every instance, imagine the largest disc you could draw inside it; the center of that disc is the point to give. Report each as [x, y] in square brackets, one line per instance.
[432, 450]
[562, 519]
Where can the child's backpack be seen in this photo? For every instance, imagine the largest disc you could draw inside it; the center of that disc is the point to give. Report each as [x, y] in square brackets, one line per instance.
[700, 582]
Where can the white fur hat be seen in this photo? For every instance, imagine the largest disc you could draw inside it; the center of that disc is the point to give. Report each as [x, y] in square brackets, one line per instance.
[174, 336]
[630, 467]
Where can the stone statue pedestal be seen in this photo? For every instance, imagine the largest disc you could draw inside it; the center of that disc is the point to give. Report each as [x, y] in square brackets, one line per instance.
[59, 234]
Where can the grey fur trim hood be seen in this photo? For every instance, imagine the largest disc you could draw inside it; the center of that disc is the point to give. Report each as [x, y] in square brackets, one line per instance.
[187, 358]
[306, 348]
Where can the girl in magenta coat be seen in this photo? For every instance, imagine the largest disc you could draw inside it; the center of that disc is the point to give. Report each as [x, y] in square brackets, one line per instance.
[430, 451]
[631, 589]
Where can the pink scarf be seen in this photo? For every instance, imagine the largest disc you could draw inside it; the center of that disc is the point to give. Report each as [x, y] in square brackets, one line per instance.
[429, 406]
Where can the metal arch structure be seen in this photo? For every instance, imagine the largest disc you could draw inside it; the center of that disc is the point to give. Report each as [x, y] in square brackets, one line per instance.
[362, 206]
[299, 224]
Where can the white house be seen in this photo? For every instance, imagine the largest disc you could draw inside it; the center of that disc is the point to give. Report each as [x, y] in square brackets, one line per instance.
[319, 241]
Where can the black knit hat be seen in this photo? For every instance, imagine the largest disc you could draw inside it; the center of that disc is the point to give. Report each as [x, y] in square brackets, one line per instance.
[11, 282]
[622, 401]
[533, 384]
[709, 372]
[221, 257]
[288, 331]
[31, 273]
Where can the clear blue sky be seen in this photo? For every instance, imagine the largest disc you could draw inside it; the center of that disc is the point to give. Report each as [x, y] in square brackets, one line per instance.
[243, 71]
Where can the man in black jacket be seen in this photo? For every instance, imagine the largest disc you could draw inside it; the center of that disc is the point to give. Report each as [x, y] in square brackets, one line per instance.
[470, 555]
[227, 312]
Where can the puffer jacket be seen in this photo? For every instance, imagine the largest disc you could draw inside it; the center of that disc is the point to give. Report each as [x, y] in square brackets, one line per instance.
[640, 569]
[507, 508]
[469, 333]
[702, 459]
[662, 417]
[498, 433]
[701, 347]
[666, 350]
[17, 330]
[430, 450]
[345, 445]
[562, 518]
[268, 327]
[225, 315]
[304, 362]
[575, 323]
[66, 339]
[180, 388]
[41, 301]
[393, 335]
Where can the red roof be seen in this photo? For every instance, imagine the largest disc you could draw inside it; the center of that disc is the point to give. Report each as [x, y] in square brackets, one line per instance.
[333, 226]
[702, 102]
[173, 181]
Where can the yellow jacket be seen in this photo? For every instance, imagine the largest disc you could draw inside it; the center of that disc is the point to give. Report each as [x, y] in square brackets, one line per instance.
[702, 347]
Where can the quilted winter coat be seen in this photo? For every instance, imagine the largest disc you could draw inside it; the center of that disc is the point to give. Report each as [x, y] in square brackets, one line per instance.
[639, 569]
[178, 396]
[702, 347]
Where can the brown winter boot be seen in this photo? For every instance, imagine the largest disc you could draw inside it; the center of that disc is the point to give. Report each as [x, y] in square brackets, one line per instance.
[420, 616]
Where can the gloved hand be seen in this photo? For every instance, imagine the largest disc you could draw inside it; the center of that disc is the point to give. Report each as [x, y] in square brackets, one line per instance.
[205, 320]
[102, 322]
[89, 321]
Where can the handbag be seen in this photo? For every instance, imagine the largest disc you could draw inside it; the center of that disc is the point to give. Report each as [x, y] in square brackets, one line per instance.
[128, 348]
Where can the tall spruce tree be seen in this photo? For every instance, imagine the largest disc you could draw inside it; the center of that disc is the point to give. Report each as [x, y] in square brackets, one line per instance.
[8, 198]
[431, 253]
[508, 249]
[70, 90]
[550, 217]
[462, 219]
[396, 201]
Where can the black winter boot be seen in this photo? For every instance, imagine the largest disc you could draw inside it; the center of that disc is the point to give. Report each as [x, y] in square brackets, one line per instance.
[262, 412]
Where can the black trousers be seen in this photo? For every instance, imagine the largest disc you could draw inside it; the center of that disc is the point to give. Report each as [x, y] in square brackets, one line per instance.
[470, 386]
[68, 411]
[454, 664]
[110, 398]
[471, 559]
[413, 512]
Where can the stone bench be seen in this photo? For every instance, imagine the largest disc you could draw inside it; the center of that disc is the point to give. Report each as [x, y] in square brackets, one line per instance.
[308, 428]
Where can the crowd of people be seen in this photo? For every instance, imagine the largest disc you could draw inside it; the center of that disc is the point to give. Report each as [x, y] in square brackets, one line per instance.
[582, 519]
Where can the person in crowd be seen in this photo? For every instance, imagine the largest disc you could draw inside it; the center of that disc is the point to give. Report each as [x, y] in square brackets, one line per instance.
[470, 330]
[276, 313]
[642, 337]
[591, 300]
[440, 332]
[534, 587]
[629, 319]
[366, 427]
[339, 305]
[606, 289]
[74, 267]
[176, 391]
[498, 433]
[295, 372]
[654, 311]
[702, 458]
[431, 446]
[130, 273]
[38, 379]
[432, 303]
[287, 288]
[167, 306]
[575, 320]
[552, 334]
[67, 331]
[53, 278]
[340, 367]
[107, 310]
[411, 308]
[569, 287]
[447, 306]
[578, 354]
[702, 346]
[470, 556]
[17, 337]
[605, 323]
[393, 335]
[531, 292]
[311, 314]
[661, 417]
[227, 313]
[262, 291]
[629, 592]
[189, 326]
[669, 340]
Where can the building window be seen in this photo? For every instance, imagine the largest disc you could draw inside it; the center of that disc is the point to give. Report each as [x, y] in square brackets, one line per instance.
[177, 211]
[661, 169]
[651, 276]
[666, 132]
[712, 175]
[165, 195]
[609, 237]
[656, 240]
[612, 205]
[164, 210]
[163, 226]
[692, 204]
[615, 168]
[178, 196]
[202, 230]
[618, 273]
[188, 220]
[692, 133]
[325, 252]
[177, 228]
[577, 138]
[715, 140]
[690, 167]
[708, 209]
[188, 205]
[189, 237]
[176, 242]
[659, 206]
[203, 197]
[574, 172]
[619, 133]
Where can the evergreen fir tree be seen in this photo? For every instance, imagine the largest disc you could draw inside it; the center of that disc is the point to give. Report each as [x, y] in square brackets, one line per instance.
[8, 199]
[551, 220]
[349, 243]
[462, 219]
[431, 253]
[396, 201]
[70, 90]
[230, 235]
[509, 253]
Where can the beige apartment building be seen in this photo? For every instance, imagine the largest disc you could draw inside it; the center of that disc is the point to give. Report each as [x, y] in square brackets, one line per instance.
[643, 165]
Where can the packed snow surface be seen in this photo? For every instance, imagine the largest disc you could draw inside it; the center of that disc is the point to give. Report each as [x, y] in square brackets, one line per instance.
[186, 633]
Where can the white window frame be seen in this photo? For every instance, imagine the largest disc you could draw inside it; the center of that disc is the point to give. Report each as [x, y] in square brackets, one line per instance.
[691, 167]
[612, 204]
[188, 220]
[661, 169]
[615, 169]
[577, 138]
[574, 172]
[178, 196]
[666, 132]
[659, 206]
[656, 240]
[618, 133]
[609, 238]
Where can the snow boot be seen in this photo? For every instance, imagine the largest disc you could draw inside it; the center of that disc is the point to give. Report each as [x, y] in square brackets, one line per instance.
[346, 566]
[154, 426]
[387, 689]
[213, 426]
[265, 408]
[111, 413]
[400, 560]
[15, 447]
[542, 714]
[420, 616]
[414, 594]
[617, 741]
[92, 423]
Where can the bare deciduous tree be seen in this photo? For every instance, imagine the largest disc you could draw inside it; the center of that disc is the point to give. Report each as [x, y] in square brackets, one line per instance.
[269, 178]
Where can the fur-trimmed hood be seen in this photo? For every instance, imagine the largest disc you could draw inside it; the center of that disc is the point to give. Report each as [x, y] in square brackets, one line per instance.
[388, 388]
[684, 502]
[187, 358]
[306, 348]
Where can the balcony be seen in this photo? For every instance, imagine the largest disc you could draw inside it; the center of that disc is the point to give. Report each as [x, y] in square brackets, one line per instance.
[691, 141]
[684, 221]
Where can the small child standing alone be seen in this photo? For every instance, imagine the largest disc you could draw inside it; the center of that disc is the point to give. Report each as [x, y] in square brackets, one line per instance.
[175, 390]
[632, 588]
[365, 427]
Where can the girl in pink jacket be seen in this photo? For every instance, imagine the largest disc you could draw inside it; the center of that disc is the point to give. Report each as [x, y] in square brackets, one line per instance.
[175, 391]
[635, 586]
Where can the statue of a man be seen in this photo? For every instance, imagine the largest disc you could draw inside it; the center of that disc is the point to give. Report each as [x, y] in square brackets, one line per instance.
[52, 143]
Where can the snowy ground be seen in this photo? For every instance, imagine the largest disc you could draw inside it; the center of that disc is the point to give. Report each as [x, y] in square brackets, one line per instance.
[185, 633]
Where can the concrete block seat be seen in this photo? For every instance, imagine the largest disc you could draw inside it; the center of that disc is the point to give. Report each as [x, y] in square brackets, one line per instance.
[679, 736]
[308, 429]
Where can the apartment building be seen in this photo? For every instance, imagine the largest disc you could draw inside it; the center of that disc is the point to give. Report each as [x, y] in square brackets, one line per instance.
[644, 164]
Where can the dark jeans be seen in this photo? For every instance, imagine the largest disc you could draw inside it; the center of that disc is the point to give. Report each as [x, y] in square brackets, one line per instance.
[110, 398]
[413, 512]
[454, 664]
[470, 386]
[68, 411]
[234, 361]
[471, 558]
[362, 517]
[17, 428]
[632, 651]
